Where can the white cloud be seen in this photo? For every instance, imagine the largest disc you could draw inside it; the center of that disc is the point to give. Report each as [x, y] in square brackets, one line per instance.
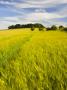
[39, 15]
[39, 3]
[35, 17]
[7, 3]
[62, 12]
[33, 3]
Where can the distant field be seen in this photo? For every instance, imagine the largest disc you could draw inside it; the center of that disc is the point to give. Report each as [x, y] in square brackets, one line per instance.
[33, 60]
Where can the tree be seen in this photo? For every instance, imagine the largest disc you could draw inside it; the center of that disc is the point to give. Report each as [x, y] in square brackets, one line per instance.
[48, 28]
[53, 27]
[37, 25]
[65, 29]
[41, 29]
[17, 26]
[11, 27]
[32, 28]
[61, 27]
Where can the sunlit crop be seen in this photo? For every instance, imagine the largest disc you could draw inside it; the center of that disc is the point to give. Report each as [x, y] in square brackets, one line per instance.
[33, 60]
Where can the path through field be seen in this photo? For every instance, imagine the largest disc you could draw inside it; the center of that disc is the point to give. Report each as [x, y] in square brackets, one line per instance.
[33, 60]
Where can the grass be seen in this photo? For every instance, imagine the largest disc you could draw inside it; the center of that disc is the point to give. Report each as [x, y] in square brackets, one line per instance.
[33, 60]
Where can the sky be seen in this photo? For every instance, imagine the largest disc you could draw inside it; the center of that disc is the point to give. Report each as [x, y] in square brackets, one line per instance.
[46, 12]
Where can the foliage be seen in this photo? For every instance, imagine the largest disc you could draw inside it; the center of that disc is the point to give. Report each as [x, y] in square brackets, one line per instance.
[65, 29]
[32, 28]
[36, 25]
[53, 27]
[61, 27]
[48, 29]
[41, 28]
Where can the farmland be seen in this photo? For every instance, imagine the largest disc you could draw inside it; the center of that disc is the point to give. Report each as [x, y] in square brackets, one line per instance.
[33, 60]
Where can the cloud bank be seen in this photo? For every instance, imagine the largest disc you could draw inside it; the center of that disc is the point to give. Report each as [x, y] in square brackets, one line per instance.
[47, 12]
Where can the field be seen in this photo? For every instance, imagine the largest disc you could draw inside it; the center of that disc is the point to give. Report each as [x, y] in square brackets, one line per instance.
[33, 60]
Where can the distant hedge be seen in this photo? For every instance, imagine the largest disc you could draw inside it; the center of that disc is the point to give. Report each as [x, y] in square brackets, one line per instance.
[38, 25]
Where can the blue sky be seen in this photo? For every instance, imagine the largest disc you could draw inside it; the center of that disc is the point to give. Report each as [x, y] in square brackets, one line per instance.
[47, 12]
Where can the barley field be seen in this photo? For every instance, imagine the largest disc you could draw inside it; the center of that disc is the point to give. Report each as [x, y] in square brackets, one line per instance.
[33, 60]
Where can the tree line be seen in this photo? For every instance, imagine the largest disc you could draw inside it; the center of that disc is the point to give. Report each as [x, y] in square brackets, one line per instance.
[37, 25]
[54, 27]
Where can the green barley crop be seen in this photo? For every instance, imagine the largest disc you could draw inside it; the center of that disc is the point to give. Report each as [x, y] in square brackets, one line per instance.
[33, 60]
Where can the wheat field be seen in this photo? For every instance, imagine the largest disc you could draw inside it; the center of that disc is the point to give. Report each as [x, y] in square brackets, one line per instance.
[33, 60]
